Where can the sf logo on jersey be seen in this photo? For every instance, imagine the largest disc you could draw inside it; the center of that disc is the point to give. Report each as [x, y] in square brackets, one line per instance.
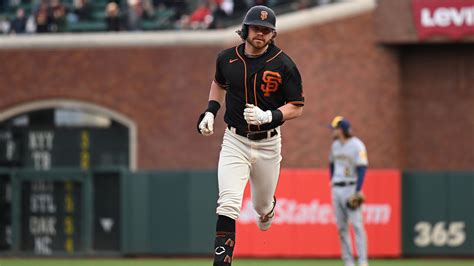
[271, 82]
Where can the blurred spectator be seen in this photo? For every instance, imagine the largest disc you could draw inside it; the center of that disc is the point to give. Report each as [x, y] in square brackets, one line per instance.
[42, 17]
[58, 16]
[148, 9]
[227, 6]
[31, 24]
[50, 15]
[112, 17]
[200, 18]
[4, 25]
[221, 12]
[179, 7]
[18, 24]
[82, 9]
[134, 15]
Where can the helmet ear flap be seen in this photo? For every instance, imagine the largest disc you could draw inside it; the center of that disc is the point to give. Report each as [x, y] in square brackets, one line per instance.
[245, 32]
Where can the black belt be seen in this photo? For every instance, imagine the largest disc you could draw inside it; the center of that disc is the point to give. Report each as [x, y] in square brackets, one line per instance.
[254, 135]
[343, 184]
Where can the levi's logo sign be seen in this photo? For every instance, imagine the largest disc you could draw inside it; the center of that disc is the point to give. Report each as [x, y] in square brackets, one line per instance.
[454, 18]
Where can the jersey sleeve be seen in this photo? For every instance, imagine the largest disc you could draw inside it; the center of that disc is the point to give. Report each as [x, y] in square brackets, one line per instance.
[361, 155]
[293, 87]
[219, 77]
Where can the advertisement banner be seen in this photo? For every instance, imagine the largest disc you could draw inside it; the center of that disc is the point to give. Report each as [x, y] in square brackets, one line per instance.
[304, 224]
[453, 18]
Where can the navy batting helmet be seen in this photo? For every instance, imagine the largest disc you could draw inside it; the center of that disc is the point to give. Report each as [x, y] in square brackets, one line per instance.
[342, 123]
[258, 16]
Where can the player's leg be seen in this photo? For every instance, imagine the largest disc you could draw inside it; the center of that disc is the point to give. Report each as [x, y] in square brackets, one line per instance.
[340, 210]
[225, 241]
[355, 217]
[265, 170]
[233, 174]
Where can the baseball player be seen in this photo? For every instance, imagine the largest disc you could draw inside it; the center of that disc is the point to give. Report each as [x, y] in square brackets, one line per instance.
[262, 88]
[348, 163]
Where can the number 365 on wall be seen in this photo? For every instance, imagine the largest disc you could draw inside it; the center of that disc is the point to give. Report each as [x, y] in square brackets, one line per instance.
[440, 234]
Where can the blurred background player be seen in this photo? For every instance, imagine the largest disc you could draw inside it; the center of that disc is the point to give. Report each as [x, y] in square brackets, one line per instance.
[348, 163]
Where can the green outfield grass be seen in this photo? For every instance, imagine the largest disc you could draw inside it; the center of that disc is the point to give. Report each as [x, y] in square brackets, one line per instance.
[237, 262]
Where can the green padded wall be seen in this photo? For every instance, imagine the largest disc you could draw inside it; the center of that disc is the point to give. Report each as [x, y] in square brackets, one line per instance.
[438, 213]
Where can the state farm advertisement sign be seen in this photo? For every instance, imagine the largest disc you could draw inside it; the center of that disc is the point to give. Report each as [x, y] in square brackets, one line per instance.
[453, 18]
[304, 224]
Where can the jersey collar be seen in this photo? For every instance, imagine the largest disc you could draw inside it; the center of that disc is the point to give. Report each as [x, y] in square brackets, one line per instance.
[271, 53]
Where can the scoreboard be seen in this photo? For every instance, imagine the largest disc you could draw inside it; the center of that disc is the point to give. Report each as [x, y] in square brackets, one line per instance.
[5, 211]
[43, 148]
[9, 148]
[59, 213]
[51, 216]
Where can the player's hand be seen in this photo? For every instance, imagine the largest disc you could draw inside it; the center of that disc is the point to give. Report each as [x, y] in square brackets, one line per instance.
[206, 126]
[255, 116]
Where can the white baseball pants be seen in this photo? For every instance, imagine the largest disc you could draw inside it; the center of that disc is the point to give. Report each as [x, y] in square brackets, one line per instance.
[344, 216]
[242, 159]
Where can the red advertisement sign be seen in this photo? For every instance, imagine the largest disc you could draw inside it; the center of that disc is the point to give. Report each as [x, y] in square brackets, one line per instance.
[454, 18]
[304, 224]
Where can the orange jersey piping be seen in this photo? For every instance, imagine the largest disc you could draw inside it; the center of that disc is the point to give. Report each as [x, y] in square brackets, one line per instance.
[245, 76]
[255, 92]
[274, 56]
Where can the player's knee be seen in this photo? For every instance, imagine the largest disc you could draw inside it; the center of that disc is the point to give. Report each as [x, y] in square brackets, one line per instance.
[263, 209]
[229, 206]
[359, 228]
[229, 211]
[342, 231]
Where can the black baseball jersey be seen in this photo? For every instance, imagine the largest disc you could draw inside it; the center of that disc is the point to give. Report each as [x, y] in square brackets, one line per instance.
[268, 81]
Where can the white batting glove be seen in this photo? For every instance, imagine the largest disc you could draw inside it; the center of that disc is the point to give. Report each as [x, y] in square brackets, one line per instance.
[207, 124]
[255, 116]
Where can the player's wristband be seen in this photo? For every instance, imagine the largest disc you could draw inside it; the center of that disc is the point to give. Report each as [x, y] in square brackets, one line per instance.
[213, 107]
[277, 117]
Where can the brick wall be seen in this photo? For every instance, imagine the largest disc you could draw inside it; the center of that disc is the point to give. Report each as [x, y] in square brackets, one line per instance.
[438, 107]
[344, 73]
[395, 22]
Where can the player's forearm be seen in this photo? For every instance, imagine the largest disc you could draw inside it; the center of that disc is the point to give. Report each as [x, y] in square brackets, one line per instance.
[331, 170]
[217, 93]
[360, 177]
[291, 111]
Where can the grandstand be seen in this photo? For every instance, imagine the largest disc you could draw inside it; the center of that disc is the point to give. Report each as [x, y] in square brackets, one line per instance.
[146, 15]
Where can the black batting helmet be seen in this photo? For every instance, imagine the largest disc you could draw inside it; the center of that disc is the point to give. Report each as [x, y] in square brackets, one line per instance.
[259, 16]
